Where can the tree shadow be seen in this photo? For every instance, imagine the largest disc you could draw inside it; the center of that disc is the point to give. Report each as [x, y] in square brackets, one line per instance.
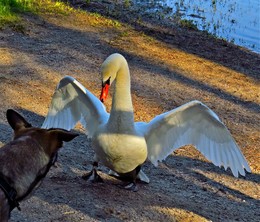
[186, 190]
[178, 183]
[80, 57]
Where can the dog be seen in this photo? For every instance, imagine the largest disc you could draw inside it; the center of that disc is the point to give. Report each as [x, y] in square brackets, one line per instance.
[25, 161]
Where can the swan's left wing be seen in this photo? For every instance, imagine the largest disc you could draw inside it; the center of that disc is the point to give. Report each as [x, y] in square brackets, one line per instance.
[193, 123]
[71, 103]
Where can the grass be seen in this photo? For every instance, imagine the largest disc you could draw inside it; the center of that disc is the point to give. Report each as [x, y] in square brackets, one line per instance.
[11, 10]
[11, 13]
[11, 7]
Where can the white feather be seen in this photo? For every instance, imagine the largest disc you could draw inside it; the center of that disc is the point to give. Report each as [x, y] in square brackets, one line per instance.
[193, 123]
[71, 103]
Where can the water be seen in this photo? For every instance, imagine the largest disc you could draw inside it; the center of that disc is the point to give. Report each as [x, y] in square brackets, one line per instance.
[237, 21]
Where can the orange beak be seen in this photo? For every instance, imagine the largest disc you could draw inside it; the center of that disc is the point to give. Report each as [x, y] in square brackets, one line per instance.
[104, 92]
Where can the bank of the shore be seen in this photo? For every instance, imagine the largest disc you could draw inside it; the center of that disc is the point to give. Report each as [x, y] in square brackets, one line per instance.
[183, 37]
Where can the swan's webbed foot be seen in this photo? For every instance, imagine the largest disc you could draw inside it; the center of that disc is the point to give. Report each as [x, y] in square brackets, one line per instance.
[131, 186]
[86, 176]
[93, 175]
[130, 177]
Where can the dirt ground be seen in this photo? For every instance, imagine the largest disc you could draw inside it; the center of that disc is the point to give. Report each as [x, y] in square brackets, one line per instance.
[169, 67]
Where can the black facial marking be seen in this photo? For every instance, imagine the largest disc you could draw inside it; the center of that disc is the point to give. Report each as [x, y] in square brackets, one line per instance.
[106, 82]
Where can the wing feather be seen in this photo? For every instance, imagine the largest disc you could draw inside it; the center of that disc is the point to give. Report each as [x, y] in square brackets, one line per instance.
[72, 103]
[193, 123]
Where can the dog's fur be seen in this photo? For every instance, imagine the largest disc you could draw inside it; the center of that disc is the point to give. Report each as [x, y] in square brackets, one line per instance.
[26, 160]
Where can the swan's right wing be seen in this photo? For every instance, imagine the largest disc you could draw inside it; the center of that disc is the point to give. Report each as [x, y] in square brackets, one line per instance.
[193, 123]
[71, 103]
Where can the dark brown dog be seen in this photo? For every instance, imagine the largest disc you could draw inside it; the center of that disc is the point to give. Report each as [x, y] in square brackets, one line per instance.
[26, 160]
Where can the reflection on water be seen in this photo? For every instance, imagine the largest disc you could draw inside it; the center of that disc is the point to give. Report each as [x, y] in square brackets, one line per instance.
[237, 21]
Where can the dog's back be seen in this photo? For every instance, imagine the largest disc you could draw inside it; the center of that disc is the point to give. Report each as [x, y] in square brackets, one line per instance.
[25, 161]
[20, 161]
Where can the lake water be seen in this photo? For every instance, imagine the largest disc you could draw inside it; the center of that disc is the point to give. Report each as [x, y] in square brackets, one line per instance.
[237, 21]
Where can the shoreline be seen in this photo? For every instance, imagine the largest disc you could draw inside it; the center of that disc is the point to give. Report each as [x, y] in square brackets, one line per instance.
[188, 39]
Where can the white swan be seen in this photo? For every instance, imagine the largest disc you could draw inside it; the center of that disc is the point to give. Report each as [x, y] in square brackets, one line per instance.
[123, 145]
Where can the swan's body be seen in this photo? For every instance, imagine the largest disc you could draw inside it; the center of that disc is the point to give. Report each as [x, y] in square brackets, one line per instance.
[123, 145]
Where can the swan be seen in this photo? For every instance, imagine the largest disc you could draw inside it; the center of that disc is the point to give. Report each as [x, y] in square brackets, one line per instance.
[123, 145]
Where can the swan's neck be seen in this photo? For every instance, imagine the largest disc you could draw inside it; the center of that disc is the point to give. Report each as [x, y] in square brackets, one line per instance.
[121, 115]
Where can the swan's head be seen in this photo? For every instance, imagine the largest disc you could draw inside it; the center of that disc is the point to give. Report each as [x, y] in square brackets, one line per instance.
[109, 70]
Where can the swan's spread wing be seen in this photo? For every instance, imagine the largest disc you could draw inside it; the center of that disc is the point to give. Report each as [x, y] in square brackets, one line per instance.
[71, 103]
[193, 123]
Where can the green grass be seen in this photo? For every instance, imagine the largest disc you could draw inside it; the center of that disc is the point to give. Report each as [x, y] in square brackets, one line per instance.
[11, 13]
[11, 10]
[11, 7]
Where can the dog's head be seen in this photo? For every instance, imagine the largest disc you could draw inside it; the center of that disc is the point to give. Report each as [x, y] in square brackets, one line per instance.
[50, 139]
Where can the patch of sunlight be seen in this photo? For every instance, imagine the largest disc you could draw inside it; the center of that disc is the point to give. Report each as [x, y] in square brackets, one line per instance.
[33, 96]
[241, 185]
[65, 211]
[96, 20]
[6, 58]
[180, 214]
[53, 7]
[33, 93]
[191, 66]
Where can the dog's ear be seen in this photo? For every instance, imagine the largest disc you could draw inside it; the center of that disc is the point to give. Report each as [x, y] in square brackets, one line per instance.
[57, 136]
[64, 135]
[16, 121]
